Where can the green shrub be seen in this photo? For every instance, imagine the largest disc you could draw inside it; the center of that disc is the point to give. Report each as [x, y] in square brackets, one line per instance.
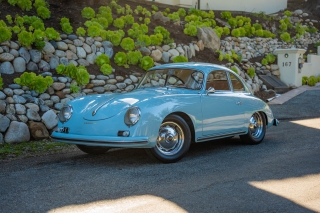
[271, 58]
[79, 74]
[228, 57]
[143, 41]
[156, 39]
[102, 59]
[9, 19]
[134, 57]
[39, 44]
[119, 23]
[43, 12]
[286, 37]
[34, 82]
[146, 21]
[39, 35]
[146, 62]
[81, 31]
[65, 25]
[25, 38]
[312, 30]
[88, 13]
[106, 69]
[180, 58]
[164, 32]
[19, 21]
[93, 31]
[52, 34]
[232, 22]
[190, 30]
[251, 72]
[38, 24]
[312, 81]
[121, 59]
[16, 29]
[287, 13]
[236, 32]
[174, 16]
[182, 12]
[264, 62]
[5, 34]
[234, 70]
[257, 26]
[74, 88]
[115, 38]
[226, 15]
[127, 44]
[259, 33]
[24, 4]
[304, 80]
[154, 7]
[40, 3]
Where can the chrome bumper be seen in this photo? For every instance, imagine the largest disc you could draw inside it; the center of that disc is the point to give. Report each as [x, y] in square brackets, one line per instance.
[106, 141]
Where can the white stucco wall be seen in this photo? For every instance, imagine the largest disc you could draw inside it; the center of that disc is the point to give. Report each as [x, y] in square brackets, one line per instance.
[267, 6]
[288, 66]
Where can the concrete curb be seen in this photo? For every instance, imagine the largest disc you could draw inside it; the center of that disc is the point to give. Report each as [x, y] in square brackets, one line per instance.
[293, 93]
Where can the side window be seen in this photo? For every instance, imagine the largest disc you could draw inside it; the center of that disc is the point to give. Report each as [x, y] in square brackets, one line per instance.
[218, 80]
[236, 83]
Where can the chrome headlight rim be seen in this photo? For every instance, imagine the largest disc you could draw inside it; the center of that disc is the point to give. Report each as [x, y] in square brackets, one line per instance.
[132, 116]
[65, 113]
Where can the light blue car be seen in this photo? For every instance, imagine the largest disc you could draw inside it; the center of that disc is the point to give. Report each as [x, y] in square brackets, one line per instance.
[172, 106]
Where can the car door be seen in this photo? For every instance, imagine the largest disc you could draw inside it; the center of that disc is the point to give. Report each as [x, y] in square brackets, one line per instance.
[222, 109]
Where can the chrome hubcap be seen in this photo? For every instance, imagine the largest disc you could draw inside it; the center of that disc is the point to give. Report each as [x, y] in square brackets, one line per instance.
[256, 125]
[170, 139]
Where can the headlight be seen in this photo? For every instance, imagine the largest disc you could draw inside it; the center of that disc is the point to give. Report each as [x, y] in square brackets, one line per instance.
[65, 113]
[132, 116]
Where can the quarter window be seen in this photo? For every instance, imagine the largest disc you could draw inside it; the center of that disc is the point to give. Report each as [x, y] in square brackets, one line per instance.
[236, 83]
[218, 80]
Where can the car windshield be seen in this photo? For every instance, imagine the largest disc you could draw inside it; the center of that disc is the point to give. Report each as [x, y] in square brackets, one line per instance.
[182, 78]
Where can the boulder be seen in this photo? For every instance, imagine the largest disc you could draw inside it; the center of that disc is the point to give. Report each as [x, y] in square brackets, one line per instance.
[17, 132]
[38, 130]
[50, 119]
[33, 115]
[4, 123]
[19, 64]
[6, 68]
[209, 38]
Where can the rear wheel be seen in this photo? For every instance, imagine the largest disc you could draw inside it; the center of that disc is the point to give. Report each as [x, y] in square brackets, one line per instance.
[93, 150]
[256, 129]
[174, 139]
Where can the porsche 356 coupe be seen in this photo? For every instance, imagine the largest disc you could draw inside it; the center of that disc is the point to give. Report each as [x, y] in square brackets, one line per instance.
[172, 106]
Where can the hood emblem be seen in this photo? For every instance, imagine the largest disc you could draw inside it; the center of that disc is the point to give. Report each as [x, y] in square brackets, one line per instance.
[96, 110]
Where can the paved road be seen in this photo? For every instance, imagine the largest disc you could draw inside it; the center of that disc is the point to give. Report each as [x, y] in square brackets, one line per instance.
[280, 175]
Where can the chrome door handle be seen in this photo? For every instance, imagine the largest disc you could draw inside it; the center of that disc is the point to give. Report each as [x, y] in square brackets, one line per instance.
[239, 103]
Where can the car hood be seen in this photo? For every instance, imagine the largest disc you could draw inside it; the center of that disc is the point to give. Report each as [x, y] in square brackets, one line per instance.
[104, 106]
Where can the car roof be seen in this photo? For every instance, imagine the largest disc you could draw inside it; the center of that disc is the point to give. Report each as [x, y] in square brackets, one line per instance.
[205, 67]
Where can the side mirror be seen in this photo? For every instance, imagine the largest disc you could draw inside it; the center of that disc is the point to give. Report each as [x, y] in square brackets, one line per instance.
[211, 90]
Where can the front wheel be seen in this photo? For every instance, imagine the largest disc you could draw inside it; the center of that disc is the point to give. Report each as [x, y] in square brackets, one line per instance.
[256, 129]
[174, 139]
[93, 150]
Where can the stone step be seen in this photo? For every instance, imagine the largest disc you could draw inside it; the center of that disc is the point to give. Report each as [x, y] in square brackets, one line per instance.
[274, 83]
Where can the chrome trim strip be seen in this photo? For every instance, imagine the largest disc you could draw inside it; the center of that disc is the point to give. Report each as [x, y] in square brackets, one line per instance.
[77, 141]
[220, 136]
[96, 110]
